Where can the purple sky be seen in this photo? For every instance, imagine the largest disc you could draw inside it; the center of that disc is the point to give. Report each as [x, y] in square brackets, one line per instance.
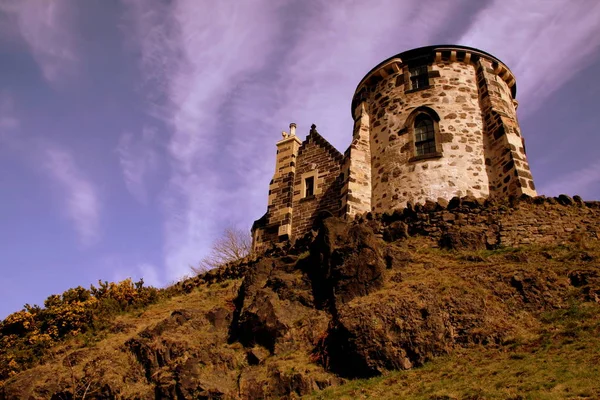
[133, 131]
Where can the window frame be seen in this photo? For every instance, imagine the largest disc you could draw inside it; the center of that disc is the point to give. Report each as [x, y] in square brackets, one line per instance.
[427, 140]
[310, 179]
[413, 119]
[418, 73]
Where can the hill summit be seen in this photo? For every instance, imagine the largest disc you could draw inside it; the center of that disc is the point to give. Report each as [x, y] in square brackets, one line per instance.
[461, 299]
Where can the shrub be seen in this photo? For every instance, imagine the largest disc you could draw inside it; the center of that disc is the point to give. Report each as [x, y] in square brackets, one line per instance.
[26, 335]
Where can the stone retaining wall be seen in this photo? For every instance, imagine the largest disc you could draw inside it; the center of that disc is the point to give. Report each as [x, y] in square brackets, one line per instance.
[489, 224]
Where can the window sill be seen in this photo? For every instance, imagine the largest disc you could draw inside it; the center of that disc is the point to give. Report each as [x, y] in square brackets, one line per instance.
[418, 89]
[307, 198]
[437, 154]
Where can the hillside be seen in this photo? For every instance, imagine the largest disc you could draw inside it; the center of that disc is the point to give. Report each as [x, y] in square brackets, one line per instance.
[442, 301]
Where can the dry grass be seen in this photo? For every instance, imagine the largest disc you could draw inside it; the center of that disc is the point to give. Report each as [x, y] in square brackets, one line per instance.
[562, 363]
[556, 357]
[105, 360]
[553, 355]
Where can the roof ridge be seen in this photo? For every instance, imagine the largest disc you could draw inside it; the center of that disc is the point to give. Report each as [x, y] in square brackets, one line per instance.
[321, 142]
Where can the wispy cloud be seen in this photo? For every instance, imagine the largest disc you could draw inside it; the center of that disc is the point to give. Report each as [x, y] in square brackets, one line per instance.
[45, 27]
[544, 42]
[8, 119]
[339, 43]
[81, 199]
[584, 182]
[139, 159]
[193, 57]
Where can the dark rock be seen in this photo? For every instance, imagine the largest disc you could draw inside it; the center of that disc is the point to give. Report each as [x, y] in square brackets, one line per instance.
[470, 202]
[219, 317]
[395, 231]
[430, 206]
[396, 258]
[565, 200]
[539, 199]
[443, 203]
[454, 203]
[275, 306]
[580, 278]
[351, 260]
[257, 355]
[464, 238]
[405, 328]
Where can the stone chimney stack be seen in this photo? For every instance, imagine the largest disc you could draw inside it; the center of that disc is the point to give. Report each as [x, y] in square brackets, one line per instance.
[282, 185]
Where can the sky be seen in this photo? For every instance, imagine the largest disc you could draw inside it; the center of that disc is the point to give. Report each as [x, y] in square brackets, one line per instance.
[133, 131]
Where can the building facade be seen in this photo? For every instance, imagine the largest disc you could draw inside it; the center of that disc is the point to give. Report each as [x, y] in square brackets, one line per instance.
[429, 123]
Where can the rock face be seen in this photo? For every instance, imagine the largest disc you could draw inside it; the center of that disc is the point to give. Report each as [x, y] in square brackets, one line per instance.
[344, 303]
[347, 262]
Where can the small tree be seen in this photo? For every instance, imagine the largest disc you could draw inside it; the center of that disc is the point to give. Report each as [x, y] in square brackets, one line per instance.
[233, 245]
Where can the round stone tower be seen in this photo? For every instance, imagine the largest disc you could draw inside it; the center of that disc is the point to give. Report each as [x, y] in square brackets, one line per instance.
[435, 122]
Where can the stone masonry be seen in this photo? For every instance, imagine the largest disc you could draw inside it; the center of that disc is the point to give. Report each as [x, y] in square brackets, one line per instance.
[462, 97]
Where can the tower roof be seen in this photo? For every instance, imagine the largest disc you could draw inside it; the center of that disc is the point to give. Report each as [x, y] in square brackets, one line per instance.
[428, 53]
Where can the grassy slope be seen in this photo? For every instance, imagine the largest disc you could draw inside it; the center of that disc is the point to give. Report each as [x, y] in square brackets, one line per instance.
[111, 362]
[558, 358]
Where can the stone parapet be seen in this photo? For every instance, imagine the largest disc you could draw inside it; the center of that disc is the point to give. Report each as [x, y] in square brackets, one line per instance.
[489, 224]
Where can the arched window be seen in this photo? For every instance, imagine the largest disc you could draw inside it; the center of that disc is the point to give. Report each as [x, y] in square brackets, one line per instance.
[424, 135]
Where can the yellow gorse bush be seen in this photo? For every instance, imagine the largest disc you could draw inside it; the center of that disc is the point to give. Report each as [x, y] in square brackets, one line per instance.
[26, 334]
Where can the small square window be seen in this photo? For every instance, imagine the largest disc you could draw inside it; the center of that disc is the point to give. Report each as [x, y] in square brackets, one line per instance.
[419, 77]
[309, 186]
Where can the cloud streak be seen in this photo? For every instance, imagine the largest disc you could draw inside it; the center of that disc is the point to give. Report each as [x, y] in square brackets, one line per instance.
[81, 199]
[193, 58]
[45, 27]
[544, 42]
[139, 160]
[8, 119]
[334, 45]
[583, 182]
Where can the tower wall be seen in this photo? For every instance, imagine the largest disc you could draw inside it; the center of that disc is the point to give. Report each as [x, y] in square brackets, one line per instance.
[506, 161]
[470, 97]
[356, 191]
[458, 169]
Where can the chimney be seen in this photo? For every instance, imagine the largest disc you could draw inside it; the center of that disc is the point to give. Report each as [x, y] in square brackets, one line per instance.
[293, 129]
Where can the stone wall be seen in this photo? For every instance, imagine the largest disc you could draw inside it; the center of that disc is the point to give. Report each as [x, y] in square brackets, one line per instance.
[459, 170]
[489, 224]
[357, 188]
[276, 224]
[505, 157]
[321, 161]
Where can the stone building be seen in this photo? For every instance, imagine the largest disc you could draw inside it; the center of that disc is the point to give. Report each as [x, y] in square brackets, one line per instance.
[429, 123]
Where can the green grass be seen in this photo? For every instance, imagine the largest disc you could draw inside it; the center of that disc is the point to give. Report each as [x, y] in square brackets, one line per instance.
[563, 362]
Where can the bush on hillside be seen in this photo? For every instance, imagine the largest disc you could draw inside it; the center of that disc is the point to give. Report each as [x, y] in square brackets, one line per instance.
[26, 334]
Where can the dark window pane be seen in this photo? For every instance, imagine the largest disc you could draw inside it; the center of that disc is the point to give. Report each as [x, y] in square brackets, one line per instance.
[309, 184]
[419, 77]
[424, 135]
